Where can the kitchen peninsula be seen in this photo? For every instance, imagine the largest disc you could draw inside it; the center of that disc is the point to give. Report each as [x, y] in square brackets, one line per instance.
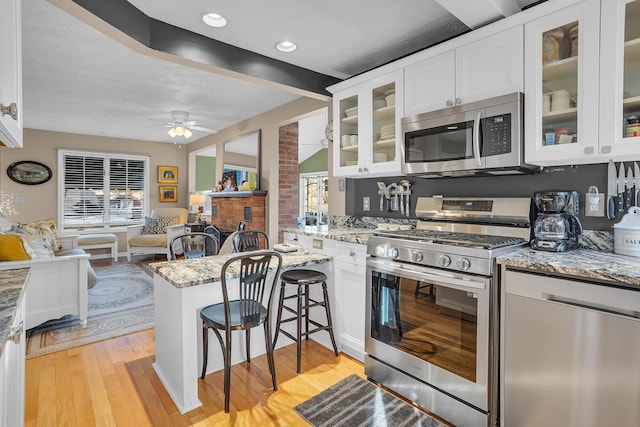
[181, 289]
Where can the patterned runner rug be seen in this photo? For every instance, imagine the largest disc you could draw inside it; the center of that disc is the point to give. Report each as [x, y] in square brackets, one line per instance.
[119, 304]
[357, 402]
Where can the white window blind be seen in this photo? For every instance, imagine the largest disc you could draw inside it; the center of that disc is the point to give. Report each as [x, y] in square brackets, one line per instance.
[100, 191]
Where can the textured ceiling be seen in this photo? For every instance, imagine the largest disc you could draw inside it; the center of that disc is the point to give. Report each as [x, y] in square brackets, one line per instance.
[76, 79]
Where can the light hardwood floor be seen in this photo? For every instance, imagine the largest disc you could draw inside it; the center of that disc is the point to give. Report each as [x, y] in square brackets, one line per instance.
[112, 383]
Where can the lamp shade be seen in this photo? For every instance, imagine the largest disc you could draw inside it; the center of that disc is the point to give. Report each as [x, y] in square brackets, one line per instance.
[196, 199]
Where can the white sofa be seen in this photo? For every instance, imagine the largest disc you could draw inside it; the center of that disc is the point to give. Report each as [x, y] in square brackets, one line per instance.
[57, 286]
[145, 244]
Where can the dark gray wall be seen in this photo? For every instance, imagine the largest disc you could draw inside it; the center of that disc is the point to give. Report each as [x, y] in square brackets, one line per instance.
[577, 178]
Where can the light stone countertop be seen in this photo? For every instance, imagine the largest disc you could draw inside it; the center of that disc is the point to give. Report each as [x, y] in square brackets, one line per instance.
[606, 267]
[198, 271]
[12, 283]
[341, 234]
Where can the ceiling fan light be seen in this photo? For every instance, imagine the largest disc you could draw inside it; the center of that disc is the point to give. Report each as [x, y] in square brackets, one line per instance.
[214, 20]
[187, 133]
[179, 130]
[172, 133]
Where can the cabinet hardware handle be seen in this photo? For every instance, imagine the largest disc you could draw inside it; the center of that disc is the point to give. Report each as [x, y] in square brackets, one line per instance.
[458, 101]
[359, 170]
[449, 103]
[11, 110]
[16, 332]
[365, 170]
[352, 253]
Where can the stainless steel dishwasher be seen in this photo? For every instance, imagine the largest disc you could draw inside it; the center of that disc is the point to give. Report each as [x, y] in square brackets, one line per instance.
[570, 352]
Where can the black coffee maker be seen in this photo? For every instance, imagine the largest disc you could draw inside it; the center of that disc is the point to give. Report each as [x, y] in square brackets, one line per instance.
[557, 227]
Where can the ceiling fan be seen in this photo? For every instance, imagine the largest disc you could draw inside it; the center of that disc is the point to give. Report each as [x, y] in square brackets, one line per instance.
[181, 126]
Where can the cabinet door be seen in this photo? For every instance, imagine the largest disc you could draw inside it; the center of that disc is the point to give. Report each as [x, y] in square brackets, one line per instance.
[11, 71]
[619, 83]
[430, 84]
[386, 108]
[491, 66]
[347, 116]
[12, 373]
[561, 86]
[350, 282]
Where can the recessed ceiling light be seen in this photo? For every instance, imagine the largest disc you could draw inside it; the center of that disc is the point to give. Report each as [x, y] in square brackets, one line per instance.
[286, 46]
[214, 20]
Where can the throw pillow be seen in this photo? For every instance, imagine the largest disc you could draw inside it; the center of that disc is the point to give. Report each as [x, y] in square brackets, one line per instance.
[13, 248]
[151, 225]
[39, 245]
[44, 227]
[166, 221]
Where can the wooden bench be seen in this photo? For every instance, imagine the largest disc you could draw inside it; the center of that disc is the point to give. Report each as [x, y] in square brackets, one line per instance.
[100, 241]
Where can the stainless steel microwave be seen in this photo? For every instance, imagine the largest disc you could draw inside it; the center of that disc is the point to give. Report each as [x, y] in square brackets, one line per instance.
[479, 138]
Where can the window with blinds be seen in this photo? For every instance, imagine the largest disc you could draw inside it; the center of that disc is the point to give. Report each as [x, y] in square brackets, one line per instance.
[101, 191]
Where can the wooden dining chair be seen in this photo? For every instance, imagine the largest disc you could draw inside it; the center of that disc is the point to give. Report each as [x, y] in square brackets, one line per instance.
[247, 311]
[250, 240]
[193, 245]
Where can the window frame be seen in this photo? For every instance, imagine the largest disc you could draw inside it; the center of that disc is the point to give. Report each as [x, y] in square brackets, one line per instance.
[302, 196]
[108, 227]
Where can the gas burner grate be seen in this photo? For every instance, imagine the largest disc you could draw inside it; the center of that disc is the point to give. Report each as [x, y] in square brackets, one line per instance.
[477, 240]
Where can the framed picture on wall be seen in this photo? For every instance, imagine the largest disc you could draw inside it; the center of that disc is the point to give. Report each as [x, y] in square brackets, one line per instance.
[168, 174]
[168, 193]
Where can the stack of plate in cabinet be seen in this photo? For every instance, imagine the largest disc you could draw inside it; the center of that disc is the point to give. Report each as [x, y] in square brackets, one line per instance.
[388, 131]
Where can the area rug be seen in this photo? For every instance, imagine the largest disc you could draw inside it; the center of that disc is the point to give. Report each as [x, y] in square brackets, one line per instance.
[356, 402]
[120, 303]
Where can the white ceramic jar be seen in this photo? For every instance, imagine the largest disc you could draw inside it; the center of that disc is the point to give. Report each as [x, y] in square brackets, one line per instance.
[626, 233]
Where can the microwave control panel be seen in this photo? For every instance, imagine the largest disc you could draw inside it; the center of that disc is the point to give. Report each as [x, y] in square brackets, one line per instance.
[497, 135]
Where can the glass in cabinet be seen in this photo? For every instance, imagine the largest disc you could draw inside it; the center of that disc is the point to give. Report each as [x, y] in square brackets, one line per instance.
[561, 89]
[348, 131]
[619, 80]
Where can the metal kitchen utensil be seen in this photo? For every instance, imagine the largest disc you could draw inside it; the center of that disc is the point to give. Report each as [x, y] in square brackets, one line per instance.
[382, 190]
[628, 198]
[611, 190]
[407, 194]
[621, 188]
[392, 207]
[636, 184]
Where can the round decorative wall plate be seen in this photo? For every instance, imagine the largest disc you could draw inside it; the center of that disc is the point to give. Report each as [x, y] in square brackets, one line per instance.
[29, 172]
[328, 131]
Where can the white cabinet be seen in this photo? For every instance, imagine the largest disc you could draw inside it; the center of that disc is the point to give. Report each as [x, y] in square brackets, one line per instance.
[350, 286]
[12, 372]
[619, 83]
[482, 69]
[366, 120]
[561, 86]
[10, 73]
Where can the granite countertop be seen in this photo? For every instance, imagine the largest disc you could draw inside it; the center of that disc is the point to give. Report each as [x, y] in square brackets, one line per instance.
[12, 283]
[606, 267]
[339, 233]
[198, 271]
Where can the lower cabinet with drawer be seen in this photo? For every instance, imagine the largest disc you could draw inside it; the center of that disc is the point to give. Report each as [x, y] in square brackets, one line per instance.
[350, 286]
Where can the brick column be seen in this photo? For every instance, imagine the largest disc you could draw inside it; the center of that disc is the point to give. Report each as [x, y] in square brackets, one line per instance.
[288, 182]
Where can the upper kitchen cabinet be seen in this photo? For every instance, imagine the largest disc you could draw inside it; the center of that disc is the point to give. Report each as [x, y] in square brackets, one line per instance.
[10, 73]
[366, 121]
[619, 80]
[561, 86]
[485, 68]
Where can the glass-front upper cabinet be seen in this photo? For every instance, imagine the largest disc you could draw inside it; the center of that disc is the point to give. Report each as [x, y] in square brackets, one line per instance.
[620, 80]
[561, 86]
[368, 131]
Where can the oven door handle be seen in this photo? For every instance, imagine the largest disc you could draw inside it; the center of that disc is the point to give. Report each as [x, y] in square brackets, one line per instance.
[400, 270]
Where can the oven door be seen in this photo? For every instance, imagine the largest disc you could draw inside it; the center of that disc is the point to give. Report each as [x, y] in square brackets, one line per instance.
[450, 143]
[431, 324]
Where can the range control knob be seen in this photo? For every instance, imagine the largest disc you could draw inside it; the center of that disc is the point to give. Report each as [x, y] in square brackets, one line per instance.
[464, 263]
[417, 256]
[393, 252]
[444, 260]
[380, 251]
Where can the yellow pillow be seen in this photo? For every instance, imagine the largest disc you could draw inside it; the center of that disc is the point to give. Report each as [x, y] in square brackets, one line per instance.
[12, 248]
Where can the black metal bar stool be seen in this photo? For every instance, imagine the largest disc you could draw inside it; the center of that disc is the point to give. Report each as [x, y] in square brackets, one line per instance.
[303, 278]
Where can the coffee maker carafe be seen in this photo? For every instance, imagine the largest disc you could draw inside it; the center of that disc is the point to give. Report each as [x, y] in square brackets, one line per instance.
[557, 227]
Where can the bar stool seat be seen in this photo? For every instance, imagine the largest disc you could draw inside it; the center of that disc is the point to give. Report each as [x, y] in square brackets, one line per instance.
[303, 278]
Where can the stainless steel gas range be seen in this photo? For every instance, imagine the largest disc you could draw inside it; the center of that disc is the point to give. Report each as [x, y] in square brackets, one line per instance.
[432, 316]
